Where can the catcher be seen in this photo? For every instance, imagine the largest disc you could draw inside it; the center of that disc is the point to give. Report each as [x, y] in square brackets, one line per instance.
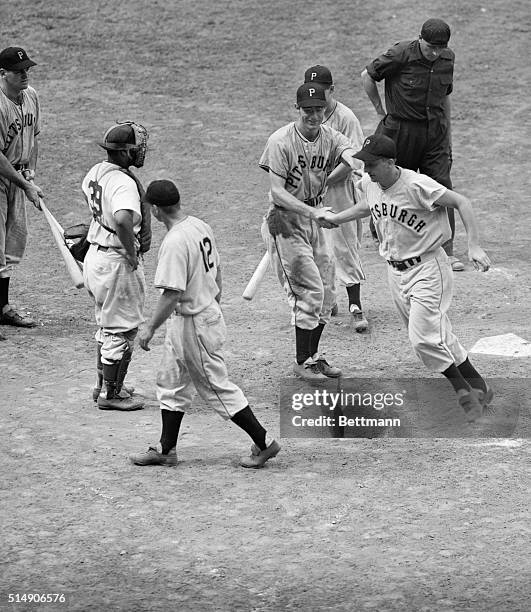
[113, 268]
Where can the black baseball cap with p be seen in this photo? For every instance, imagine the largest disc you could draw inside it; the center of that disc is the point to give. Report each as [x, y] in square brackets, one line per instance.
[377, 147]
[311, 94]
[318, 74]
[15, 58]
[162, 193]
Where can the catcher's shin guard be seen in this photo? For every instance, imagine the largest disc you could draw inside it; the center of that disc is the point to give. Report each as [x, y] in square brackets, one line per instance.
[110, 397]
[122, 369]
[124, 392]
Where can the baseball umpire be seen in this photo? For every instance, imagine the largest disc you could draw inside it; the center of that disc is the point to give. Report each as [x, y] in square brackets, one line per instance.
[113, 268]
[418, 77]
[303, 159]
[19, 130]
[189, 277]
[409, 213]
[346, 242]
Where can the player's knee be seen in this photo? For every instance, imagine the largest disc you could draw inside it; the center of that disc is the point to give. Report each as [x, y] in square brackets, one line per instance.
[114, 347]
[417, 342]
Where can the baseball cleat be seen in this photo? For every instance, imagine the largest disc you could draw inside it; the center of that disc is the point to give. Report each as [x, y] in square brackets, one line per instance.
[457, 266]
[258, 458]
[125, 393]
[326, 368]
[485, 398]
[154, 456]
[11, 317]
[469, 402]
[309, 370]
[335, 310]
[360, 322]
[117, 403]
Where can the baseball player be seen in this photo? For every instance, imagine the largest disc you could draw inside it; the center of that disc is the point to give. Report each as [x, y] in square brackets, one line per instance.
[19, 129]
[113, 269]
[345, 242]
[189, 277]
[303, 159]
[409, 213]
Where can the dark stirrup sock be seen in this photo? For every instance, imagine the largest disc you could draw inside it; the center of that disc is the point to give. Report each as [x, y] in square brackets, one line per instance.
[171, 423]
[354, 295]
[315, 338]
[4, 292]
[250, 424]
[456, 378]
[472, 376]
[302, 344]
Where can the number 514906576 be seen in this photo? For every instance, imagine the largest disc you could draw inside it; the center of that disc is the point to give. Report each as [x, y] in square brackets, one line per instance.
[36, 597]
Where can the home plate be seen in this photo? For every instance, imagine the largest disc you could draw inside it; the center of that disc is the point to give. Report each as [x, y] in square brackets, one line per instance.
[505, 443]
[506, 345]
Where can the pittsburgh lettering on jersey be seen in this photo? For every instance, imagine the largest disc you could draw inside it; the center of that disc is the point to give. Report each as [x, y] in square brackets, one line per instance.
[406, 217]
[27, 120]
[315, 163]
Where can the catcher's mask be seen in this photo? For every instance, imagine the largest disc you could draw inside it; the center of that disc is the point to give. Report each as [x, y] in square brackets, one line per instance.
[127, 136]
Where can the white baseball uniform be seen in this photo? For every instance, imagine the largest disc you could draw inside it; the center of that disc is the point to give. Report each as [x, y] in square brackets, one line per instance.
[345, 241]
[302, 258]
[188, 261]
[19, 127]
[117, 289]
[411, 230]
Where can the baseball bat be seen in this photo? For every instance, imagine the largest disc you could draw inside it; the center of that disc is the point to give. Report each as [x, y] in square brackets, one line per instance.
[256, 278]
[58, 233]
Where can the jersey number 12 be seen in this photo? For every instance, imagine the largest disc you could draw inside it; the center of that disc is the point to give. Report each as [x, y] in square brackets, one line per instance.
[206, 251]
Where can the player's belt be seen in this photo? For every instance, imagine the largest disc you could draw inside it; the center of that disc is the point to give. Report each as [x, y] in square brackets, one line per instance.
[405, 264]
[313, 202]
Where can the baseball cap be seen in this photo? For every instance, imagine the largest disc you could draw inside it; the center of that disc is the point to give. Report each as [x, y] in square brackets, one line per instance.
[15, 58]
[162, 193]
[377, 147]
[311, 94]
[318, 74]
[118, 138]
[435, 32]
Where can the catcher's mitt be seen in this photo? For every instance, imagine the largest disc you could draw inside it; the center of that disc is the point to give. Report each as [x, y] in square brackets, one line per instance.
[76, 240]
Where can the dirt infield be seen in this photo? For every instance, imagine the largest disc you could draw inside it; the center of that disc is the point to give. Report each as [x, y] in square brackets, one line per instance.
[331, 524]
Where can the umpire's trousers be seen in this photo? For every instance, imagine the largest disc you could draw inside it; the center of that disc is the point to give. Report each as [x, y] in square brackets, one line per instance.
[424, 146]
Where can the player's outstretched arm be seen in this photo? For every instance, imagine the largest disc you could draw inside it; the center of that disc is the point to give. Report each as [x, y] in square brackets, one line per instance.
[166, 304]
[344, 168]
[358, 211]
[451, 199]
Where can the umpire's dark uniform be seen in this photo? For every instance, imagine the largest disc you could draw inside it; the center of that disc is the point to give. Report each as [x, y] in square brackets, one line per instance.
[415, 92]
